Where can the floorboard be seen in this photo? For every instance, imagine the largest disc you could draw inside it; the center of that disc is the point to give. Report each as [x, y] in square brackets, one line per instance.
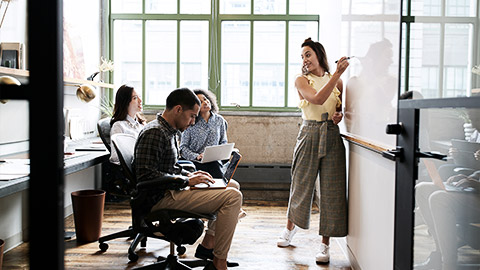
[253, 247]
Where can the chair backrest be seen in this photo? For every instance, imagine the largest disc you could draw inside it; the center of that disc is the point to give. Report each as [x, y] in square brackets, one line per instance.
[103, 127]
[125, 146]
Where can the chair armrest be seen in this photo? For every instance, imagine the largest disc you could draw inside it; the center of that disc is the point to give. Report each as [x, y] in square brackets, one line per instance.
[173, 182]
[187, 165]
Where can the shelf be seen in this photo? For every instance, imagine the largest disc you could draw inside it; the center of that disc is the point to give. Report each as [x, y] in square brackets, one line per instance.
[25, 73]
[80, 81]
[14, 72]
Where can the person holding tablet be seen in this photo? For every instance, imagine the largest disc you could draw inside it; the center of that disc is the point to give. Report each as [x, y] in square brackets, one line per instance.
[209, 129]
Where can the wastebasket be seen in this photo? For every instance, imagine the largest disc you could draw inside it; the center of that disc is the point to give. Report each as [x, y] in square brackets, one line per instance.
[88, 214]
[2, 243]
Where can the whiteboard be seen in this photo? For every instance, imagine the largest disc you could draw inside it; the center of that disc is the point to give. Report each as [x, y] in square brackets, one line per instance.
[371, 81]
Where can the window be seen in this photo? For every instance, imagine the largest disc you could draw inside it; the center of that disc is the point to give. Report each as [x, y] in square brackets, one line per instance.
[440, 47]
[245, 51]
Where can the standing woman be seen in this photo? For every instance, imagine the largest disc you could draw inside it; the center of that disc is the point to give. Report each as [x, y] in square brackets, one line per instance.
[319, 151]
[126, 116]
[210, 129]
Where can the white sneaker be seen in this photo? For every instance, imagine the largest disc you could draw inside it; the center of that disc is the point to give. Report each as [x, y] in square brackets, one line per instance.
[324, 255]
[286, 237]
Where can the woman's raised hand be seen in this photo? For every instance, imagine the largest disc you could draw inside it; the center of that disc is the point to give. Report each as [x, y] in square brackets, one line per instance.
[342, 65]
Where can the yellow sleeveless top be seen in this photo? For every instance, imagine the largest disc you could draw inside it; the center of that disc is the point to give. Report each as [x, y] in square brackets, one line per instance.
[313, 111]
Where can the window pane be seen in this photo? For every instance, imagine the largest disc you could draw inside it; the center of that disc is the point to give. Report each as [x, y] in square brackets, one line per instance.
[298, 32]
[425, 59]
[269, 64]
[270, 7]
[235, 6]
[305, 7]
[161, 61]
[235, 63]
[457, 59]
[194, 54]
[161, 6]
[195, 6]
[366, 7]
[126, 6]
[426, 7]
[128, 53]
[460, 8]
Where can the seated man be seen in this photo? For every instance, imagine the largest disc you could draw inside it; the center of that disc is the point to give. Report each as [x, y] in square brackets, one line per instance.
[156, 154]
[442, 210]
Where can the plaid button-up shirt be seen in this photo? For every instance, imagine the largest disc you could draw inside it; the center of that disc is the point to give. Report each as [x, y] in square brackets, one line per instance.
[156, 151]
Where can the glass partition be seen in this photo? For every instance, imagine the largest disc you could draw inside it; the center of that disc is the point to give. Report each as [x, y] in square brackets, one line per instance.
[447, 192]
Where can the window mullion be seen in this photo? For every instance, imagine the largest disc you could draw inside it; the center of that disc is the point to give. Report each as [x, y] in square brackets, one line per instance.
[287, 27]
[441, 70]
[144, 60]
[178, 52]
[250, 102]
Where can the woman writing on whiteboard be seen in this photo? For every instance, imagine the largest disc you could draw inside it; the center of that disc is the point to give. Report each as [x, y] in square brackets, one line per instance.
[319, 151]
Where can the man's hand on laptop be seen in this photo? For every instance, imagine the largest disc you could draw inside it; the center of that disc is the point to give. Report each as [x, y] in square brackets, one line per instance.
[198, 177]
[199, 157]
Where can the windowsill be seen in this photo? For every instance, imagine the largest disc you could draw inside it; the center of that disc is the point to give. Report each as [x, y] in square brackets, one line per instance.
[243, 113]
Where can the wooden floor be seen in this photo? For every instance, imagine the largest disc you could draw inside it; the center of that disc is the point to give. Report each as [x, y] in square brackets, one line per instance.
[253, 247]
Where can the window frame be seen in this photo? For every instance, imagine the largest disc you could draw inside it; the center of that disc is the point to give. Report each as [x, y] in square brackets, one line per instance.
[442, 20]
[215, 20]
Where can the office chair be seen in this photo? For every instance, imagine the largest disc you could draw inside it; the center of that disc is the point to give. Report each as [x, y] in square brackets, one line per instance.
[103, 127]
[113, 181]
[144, 222]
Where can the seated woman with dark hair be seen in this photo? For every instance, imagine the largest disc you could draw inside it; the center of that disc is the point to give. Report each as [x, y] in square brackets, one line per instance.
[210, 129]
[126, 116]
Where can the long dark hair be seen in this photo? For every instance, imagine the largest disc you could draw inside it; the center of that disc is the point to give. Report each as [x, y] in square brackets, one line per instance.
[319, 50]
[122, 101]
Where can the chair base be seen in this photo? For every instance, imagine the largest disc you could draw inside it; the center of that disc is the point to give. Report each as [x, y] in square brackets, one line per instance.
[173, 263]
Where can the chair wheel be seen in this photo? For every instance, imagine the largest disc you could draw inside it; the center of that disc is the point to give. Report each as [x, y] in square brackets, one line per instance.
[133, 257]
[103, 246]
[181, 250]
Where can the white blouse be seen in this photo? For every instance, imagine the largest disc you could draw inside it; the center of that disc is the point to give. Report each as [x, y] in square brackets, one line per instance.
[128, 126]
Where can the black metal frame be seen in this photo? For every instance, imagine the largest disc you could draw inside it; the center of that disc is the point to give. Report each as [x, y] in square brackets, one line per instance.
[46, 192]
[44, 92]
[406, 173]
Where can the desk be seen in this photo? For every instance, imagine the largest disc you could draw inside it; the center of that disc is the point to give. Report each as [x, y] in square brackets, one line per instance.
[72, 165]
[79, 174]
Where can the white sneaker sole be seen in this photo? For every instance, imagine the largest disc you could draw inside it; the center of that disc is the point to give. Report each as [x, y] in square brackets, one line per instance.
[322, 261]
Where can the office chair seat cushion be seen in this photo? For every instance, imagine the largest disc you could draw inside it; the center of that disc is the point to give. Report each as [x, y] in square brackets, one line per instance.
[182, 231]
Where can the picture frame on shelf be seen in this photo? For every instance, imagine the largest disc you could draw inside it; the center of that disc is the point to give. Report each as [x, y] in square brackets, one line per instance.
[12, 55]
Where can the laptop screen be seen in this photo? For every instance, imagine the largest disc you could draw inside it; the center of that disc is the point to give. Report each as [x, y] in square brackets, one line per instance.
[232, 166]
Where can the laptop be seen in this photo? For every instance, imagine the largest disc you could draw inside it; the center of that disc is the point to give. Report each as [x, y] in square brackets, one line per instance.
[217, 152]
[464, 156]
[448, 187]
[227, 176]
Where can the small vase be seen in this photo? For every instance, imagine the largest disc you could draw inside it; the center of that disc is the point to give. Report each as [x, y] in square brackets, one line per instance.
[468, 130]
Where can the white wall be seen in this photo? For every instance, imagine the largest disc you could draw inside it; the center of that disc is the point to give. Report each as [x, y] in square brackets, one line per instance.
[371, 204]
[13, 219]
